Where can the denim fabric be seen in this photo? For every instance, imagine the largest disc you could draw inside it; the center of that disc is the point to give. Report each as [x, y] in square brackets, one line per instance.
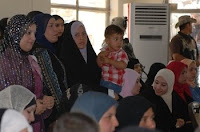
[111, 85]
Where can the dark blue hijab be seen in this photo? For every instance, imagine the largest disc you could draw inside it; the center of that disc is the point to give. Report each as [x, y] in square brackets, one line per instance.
[42, 21]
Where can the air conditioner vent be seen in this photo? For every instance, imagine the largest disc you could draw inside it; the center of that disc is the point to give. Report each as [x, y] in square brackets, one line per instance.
[151, 15]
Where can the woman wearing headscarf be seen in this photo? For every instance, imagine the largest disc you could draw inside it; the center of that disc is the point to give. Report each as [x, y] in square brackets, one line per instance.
[78, 56]
[170, 110]
[135, 111]
[13, 121]
[11, 98]
[180, 86]
[191, 76]
[100, 107]
[53, 71]
[131, 84]
[135, 65]
[19, 67]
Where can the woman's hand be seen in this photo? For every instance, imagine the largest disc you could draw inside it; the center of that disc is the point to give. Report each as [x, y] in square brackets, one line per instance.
[48, 101]
[40, 107]
[179, 123]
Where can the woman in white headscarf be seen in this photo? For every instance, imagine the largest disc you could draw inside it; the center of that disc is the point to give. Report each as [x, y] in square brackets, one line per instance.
[170, 111]
[13, 121]
[19, 98]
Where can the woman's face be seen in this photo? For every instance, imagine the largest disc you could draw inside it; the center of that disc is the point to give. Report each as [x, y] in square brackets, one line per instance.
[80, 37]
[60, 26]
[29, 113]
[191, 72]
[160, 86]
[183, 76]
[147, 120]
[27, 41]
[137, 87]
[108, 121]
[51, 32]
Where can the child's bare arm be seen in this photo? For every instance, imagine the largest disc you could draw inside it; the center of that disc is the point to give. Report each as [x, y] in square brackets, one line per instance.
[100, 58]
[99, 61]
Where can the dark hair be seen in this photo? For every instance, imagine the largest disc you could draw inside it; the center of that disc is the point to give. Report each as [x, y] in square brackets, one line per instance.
[183, 26]
[132, 62]
[112, 29]
[32, 14]
[57, 17]
[155, 67]
[75, 122]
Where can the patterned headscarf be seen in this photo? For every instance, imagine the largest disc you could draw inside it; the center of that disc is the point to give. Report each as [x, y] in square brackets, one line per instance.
[12, 98]
[14, 64]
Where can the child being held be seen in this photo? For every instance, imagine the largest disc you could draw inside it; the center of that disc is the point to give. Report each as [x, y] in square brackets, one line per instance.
[113, 59]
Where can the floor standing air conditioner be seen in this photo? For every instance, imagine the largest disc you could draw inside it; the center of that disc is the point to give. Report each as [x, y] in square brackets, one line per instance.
[148, 32]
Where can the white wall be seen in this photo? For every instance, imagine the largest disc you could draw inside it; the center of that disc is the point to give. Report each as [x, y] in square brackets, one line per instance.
[9, 8]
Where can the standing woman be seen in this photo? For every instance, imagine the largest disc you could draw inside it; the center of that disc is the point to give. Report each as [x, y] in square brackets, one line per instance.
[78, 56]
[19, 67]
[59, 24]
[53, 71]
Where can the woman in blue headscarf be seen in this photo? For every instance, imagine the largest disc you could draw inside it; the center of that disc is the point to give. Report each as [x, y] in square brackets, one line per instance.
[100, 107]
[53, 71]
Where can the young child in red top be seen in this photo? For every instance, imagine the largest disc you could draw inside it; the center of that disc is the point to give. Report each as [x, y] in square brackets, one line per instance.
[113, 59]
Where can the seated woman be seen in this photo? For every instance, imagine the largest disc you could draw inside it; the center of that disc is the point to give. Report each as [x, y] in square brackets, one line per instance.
[170, 110]
[180, 86]
[191, 76]
[13, 121]
[100, 107]
[135, 65]
[131, 84]
[135, 111]
[19, 98]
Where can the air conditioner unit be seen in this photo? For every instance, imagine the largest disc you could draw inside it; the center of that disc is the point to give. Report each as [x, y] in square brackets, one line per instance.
[148, 31]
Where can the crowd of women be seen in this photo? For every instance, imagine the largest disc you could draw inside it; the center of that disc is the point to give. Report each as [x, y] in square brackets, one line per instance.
[50, 81]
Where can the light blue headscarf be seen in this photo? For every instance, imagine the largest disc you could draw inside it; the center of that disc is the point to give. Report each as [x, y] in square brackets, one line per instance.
[93, 104]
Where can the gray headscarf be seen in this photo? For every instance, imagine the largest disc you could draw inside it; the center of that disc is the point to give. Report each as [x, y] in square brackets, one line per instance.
[93, 104]
[15, 97]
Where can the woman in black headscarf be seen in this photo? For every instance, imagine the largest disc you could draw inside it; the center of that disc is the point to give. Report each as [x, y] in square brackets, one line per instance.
[78, 56]
[135, 111]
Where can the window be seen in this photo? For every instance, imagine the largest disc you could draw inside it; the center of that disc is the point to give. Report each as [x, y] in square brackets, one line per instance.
[93, 14]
